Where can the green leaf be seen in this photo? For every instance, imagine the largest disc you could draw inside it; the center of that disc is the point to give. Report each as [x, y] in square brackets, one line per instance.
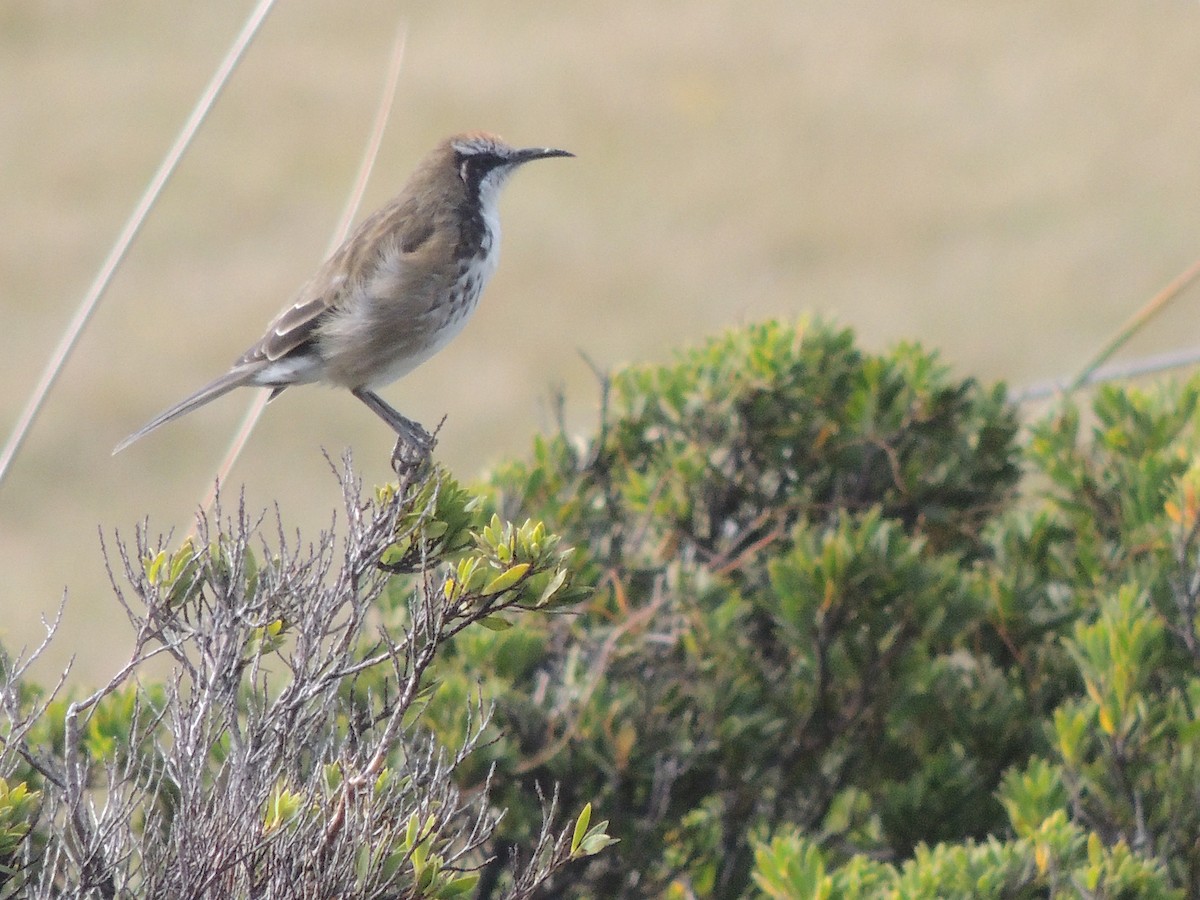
[552, 588]
[506, 579]
[581, 827]
[597, 841]
[457, 887]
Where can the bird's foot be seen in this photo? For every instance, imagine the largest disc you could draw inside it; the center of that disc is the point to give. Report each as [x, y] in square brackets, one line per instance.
[412, 452]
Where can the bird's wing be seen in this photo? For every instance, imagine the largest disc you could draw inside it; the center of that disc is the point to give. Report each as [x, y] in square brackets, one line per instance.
[293, 330]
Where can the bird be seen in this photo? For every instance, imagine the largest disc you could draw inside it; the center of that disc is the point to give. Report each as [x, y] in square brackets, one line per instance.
[393, 294]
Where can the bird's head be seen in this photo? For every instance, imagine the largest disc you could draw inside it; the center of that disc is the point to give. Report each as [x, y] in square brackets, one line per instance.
[484, 161]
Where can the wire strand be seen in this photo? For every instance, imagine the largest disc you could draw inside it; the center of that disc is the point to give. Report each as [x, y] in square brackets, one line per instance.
[1135, 368]
[370, 155]
[91, 300]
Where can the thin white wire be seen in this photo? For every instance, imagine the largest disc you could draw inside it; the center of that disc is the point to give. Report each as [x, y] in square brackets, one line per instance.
[371, 153]
[1147, 365]
[92, 298]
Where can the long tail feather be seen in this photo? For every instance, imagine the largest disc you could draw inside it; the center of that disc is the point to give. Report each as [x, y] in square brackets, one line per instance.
[211, 391]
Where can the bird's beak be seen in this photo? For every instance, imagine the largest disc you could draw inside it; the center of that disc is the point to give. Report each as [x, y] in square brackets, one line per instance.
[532, 153]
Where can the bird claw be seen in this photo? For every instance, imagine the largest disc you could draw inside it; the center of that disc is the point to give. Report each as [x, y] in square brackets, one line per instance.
[412, 452]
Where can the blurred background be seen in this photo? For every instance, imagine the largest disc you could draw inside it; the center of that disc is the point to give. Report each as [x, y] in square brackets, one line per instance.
[1005, 182]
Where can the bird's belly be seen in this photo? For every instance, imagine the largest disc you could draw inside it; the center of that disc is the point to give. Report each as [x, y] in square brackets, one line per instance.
[398, 321]
[404, 358]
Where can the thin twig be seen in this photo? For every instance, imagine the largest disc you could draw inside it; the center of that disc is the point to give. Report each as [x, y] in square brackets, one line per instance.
[92, 299]
[255, 410]
[1157, 303]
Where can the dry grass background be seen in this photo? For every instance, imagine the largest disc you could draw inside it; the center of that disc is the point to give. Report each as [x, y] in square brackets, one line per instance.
[1006, 182]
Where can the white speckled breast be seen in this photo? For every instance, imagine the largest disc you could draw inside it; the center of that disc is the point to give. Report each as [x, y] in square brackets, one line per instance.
[444, 321]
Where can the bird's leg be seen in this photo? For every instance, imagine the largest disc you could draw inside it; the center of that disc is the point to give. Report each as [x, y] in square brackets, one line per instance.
[413, 443]
[405, 427]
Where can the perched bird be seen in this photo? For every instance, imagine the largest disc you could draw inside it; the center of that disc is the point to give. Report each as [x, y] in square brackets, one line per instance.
[394, 294]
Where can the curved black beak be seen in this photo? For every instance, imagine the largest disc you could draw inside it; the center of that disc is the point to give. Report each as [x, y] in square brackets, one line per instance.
[532, 153]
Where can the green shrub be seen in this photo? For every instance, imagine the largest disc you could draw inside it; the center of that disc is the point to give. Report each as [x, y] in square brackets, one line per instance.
[1124, 760]
[785, 532]
[1093, 587]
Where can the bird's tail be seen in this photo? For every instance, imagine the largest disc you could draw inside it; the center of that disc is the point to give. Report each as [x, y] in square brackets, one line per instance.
[234, 378]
